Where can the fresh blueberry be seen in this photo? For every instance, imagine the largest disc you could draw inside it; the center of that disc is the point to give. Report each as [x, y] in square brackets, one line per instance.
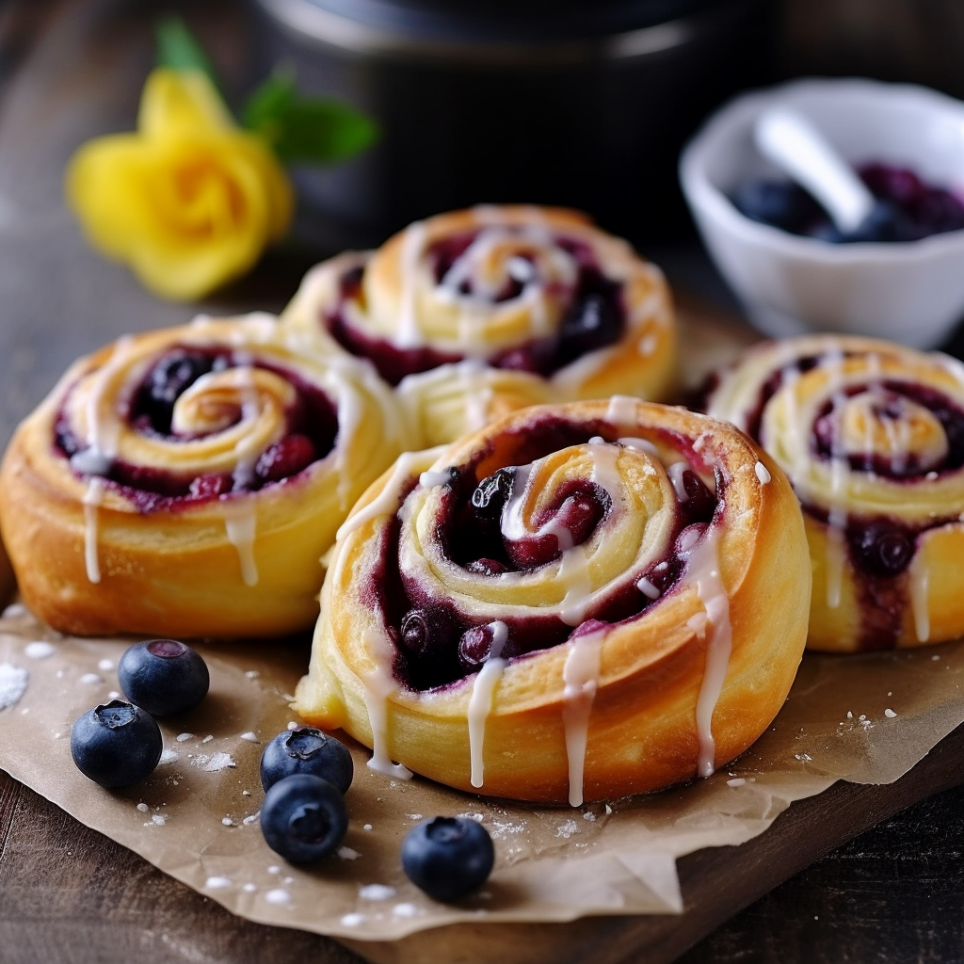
[492, 493]
[591, 323]
[306, 749]
[448, 857]
[882, 548]
[479, 643]
[163, 676]
[115, 744]
[303, 818]
[291, 455]
[429, 631]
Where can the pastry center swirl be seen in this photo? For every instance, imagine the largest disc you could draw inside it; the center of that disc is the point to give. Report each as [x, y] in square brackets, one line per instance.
[519, 556]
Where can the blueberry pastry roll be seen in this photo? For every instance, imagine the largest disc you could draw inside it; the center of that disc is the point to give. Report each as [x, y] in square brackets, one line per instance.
[871, 435]
[579, 601]
[187, 482]
[504, 305]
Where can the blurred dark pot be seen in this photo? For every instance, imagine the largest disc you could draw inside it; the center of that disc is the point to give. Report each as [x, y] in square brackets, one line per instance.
[582, 104]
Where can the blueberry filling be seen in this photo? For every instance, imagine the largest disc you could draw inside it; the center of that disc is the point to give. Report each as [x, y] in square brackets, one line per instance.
[881, 547]
[595, 318]
[908, 209]
[310, 432]
[438, 643]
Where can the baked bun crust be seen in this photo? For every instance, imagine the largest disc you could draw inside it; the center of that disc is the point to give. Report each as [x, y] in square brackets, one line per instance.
[578, 602]
[492, 308]
[186, 482]
[871, 435]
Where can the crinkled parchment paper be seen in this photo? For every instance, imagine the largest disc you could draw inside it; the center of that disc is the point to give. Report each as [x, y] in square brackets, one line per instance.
[866, 719]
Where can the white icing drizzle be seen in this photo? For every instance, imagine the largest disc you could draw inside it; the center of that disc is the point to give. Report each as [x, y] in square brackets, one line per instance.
[919, 577]
[580, 675]
[92, 500]
[675, 474]
[387, 501]
[762, 473]
[839, 471]
[379, 685]
[480, 702]
[430, 479]
[703, 571]
[240, 524]
[413, 242]
[350, 412]
[647, 588]
[642, 444]
[622, 410]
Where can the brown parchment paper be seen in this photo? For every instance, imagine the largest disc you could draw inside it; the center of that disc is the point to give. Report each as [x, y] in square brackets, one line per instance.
[866, 719]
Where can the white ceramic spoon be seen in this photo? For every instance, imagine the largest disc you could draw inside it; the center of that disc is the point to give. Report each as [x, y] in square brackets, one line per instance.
[786, 138]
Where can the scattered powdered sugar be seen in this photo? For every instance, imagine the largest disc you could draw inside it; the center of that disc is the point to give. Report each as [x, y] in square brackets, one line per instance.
[143, 807]
[13, 684]
[404, 910]
[889, 713]
[567, 829]
[91, 679]
[207, 739]
[217, 883]
[252, 674]
[168, 755]
[213, 763]
[38, 649]
[736, 782]
[157, 820]
[277, 896]
[184, 737]
[251, 818]
[105, 665]
[250, 737]
[376, 892]
[346, 853]
[227, 821]
[353, 920]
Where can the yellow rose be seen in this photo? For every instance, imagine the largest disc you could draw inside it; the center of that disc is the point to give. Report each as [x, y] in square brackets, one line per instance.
[191, 200]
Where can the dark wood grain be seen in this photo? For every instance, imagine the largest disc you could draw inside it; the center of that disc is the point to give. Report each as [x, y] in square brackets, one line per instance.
[70, 69]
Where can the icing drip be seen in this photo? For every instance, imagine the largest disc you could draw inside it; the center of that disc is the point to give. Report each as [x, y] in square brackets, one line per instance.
[96, 460]
[581, 677]
[92, 500]
[762, 473]
[240, 524]
[480, 703]
[704, 573]
[919, 585]
[379, 685]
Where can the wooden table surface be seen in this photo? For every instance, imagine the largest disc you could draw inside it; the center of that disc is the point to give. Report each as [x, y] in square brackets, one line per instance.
[70, 69]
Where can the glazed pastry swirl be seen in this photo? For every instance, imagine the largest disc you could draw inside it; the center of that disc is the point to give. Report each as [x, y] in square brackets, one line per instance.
[871, 435]
[475, 312]
[579, 601]
[187, 481]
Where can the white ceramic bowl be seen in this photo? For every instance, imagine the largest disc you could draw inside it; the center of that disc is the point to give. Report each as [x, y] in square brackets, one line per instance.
[910, 292]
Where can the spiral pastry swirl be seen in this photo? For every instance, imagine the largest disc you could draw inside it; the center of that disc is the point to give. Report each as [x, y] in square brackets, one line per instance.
[579, 601]
[187, 481]
[871, 435]
[476, 312]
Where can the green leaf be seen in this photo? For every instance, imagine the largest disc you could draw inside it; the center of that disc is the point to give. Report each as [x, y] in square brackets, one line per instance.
[179, 49]
[306, 130]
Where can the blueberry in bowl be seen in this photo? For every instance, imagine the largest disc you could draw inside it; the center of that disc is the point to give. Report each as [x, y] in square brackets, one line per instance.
[900, 278]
